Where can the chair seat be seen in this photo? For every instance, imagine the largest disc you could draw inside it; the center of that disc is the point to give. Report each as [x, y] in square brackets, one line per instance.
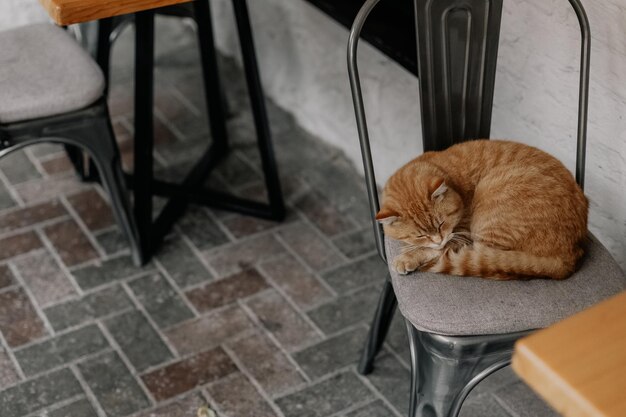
[44, 72]
[452, 305]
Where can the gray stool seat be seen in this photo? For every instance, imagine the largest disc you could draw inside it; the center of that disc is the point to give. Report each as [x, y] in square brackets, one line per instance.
[44, 72]
[456, 306]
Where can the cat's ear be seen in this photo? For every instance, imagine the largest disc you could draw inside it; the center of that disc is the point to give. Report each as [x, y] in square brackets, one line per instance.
[438, 188]
[387, 216]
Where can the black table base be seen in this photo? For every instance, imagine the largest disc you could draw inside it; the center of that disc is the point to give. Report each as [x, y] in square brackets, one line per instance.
[191, 189]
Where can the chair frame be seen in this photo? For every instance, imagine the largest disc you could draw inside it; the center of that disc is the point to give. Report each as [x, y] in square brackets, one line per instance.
[90, 130]
[444, 369]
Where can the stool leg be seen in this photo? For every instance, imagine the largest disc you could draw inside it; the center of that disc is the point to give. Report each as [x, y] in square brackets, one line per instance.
[144, 141]
[259, 111]
[380, 326]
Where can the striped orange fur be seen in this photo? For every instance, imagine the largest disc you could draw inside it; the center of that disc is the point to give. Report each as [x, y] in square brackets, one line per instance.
[489, 208]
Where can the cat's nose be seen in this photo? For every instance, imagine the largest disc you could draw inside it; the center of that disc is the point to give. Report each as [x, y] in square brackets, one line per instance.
[437, 239]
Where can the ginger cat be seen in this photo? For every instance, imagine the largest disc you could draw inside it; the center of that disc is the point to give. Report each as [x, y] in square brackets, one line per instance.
[489, 208]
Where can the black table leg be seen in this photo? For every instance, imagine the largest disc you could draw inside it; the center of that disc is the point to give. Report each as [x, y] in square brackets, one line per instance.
[143, 159]
[259, 111]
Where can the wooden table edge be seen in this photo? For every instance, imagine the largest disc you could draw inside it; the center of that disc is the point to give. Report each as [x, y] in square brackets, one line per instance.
[68, 12]
[543, 380]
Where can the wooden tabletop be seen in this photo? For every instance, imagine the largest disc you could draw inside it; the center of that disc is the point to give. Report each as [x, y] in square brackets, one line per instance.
[67, 12]
[578, 365]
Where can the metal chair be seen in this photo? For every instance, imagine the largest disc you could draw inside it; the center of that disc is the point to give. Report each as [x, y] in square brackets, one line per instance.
[53, 92]
[454, 345]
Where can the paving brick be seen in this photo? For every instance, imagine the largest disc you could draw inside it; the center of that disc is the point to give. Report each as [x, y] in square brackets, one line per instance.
[19, 244]
[236, 396]
[241, 226]
[198, 226]
[49, 188]
[6, 277]
[235, 171]
[331, 354]
[308, 245]
[8, 374]
[375, 409]
[114, 387]
[44, 149]
[336, 180]
[112, 241]
[392, 380]
[323, 215]
[91, 306]
[38, 393]
[277, 316]
[346, 310]
[93, 210]
[80, 408]
[45, 279]
[519, 400]
[61, 349]
[32, 215]
[246, 254]
[160, 300]
[70, 242]
[185, 407]
[58, 164]
[227, 290]
[397, 337]
[486, 406]
[325, 398]
[294, 279]
[139, 341]
[209, 331]
[358, 274]
[182, 265]
[266, 364]
[189, 373]
[6, 200]
[114, 269]
[356, 243]
[18, 168]
[19, 321]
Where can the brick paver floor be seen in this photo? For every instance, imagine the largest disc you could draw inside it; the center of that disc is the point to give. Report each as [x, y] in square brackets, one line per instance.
[248, 317]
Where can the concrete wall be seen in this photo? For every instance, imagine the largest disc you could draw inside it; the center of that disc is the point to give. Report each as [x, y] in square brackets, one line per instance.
[302, 57]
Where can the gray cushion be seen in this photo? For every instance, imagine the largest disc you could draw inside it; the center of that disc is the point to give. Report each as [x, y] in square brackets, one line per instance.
[44, 72]
[452, 305]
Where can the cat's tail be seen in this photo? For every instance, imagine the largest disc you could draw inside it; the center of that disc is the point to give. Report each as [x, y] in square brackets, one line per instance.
[483, 261]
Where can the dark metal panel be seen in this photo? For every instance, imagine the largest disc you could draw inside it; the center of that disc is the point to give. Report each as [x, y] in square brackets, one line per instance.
[457, 49]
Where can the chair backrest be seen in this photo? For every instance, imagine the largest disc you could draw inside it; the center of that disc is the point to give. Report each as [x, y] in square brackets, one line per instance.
[457, 49]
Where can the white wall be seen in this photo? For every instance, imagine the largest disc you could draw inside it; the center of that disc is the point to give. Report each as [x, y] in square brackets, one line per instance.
[302, 56]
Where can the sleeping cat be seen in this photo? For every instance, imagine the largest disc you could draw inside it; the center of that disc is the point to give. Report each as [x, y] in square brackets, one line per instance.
[488, 208]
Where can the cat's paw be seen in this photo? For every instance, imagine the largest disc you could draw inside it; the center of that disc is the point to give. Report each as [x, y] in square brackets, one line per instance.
[404, 264]
[414, 260]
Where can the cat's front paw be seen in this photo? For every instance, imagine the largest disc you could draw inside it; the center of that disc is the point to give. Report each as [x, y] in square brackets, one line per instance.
[404, 264]
[414, 260]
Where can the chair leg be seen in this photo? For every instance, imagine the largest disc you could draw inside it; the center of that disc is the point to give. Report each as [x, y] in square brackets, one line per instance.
[106, 156]
[444, 369]
[379, 328]
[414, 393]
